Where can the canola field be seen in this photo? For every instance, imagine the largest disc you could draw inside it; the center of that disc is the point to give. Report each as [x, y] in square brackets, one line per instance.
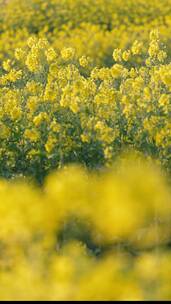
[85, 150]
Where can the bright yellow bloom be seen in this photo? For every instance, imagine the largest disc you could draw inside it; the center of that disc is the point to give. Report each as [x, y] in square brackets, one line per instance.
[67, 53]
[32, 135]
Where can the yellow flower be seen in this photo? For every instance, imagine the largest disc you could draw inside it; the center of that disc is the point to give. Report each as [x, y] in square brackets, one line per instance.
[85, 138]
[162, 55]
[108, 153]
[147, 93]
[15, 113]
[40, 118]
[154, 34]
[136, 48]
[164, 100]
[153, 49]
[20, 54]
[83, 61]
[32, 87]
[50, 144]
[32, 62]
[67, 53]
[4, 131]
[55, 126]
[32, 135]
[166, 77]
[50, 54]
[133, 73]
[31, 41]
[117, 55]
[42, 43]
[116, 70]
[126, 55]
[14, 75]
[74, 106]
[32, 103]
[7, 65]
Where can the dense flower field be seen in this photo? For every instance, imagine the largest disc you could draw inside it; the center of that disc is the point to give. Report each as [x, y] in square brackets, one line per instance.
[85, 150]
[87, 236]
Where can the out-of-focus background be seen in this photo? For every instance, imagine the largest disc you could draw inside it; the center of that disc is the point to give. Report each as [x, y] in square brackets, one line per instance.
[93, 27]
